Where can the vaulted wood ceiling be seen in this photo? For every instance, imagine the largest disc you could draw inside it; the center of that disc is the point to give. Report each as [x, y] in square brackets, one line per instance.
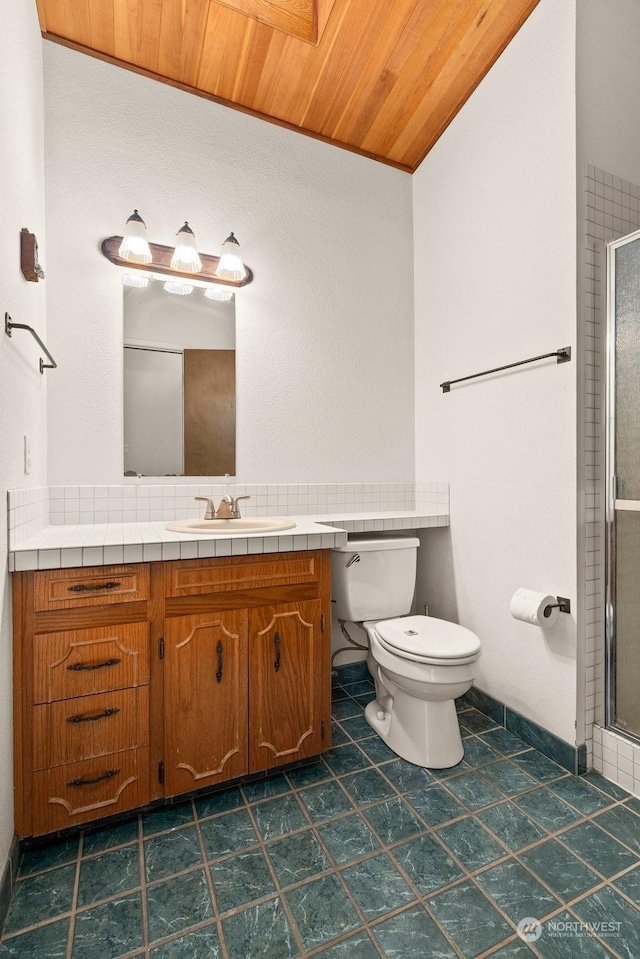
[381, 77]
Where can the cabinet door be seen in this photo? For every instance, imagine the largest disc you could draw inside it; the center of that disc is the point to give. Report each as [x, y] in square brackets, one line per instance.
[205, 700]
[288, 664]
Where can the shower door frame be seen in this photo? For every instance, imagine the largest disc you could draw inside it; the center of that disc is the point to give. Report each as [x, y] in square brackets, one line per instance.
[611, 489]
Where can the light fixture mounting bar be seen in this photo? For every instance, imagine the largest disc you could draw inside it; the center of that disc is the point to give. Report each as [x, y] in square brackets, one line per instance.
[161, 263]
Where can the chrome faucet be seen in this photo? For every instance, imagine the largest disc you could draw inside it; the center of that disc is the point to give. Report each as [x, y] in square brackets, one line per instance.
[228, 508]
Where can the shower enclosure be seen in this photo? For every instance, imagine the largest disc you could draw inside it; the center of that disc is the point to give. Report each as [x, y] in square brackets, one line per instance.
[623, 485]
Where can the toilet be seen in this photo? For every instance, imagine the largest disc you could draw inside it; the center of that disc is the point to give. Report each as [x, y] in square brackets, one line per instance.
[419, 664]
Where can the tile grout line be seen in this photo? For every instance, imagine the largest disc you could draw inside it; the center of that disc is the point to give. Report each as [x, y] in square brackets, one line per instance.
[142, 868]
[210, 884]
[74, 900]
[280, 895]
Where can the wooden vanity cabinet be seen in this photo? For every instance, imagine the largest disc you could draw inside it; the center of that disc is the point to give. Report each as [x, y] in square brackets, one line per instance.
[143, 681]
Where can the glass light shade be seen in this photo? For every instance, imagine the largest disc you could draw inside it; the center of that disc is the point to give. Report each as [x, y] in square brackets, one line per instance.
[180, 289]
[212, 294]
[231, 266]
[129, 279]
[185, 256]
[134, 246]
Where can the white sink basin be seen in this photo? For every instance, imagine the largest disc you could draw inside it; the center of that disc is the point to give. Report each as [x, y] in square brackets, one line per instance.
[250, 524]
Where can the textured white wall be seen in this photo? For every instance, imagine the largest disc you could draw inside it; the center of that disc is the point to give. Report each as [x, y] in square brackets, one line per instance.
[495, 282]
[22, 388]
[325, 331]
[608, 79]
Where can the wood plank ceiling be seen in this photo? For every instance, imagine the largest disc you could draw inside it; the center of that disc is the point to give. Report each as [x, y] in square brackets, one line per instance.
[383, 78]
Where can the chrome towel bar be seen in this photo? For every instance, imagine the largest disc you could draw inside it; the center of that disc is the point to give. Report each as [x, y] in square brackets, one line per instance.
[9, 326]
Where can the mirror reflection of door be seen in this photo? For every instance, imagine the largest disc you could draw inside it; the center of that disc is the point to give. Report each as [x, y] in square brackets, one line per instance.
[209, 411]
[179, 383]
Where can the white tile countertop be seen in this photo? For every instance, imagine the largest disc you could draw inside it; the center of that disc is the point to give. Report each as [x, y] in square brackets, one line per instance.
[102, 544]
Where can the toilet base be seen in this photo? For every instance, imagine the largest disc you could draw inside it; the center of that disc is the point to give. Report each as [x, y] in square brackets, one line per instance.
[424, 733]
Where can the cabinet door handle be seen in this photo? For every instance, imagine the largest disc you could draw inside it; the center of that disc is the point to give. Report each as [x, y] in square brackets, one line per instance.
[92, 718]
[91, 782]
[77, 667]
[219, 654]
[83, 588]
[276, 643]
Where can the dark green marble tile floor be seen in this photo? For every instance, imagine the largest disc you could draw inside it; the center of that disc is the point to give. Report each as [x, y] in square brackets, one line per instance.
[357, 855]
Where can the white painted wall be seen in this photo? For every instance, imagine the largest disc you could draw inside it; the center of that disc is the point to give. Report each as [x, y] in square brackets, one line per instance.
[495, 282]
[608, 80]
[22, 388]
[325, 331]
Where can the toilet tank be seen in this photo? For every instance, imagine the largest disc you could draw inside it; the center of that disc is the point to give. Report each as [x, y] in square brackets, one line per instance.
[374, 577]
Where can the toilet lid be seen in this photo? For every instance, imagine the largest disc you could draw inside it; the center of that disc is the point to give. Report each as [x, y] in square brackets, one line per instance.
[428, 637]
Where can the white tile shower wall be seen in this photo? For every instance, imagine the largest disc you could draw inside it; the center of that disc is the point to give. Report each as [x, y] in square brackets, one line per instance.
[617, 758]
[146, 502]
[28, 513]
[612, 209]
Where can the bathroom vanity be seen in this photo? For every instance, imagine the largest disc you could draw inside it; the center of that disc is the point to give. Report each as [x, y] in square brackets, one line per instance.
[143, 681]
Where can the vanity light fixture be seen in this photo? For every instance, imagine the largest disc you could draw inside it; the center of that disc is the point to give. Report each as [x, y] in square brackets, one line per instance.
[185, 257]
[212, 294]
[180, 263]
[231, 266]
[135, 247]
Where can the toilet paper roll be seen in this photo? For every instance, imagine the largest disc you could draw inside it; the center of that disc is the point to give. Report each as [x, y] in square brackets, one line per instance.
[528, 606]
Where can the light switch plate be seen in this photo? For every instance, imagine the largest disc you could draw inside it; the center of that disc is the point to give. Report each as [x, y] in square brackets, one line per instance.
[27, 455]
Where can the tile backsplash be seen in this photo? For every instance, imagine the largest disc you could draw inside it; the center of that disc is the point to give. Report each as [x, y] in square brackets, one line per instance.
[130, 503]
[28, 513]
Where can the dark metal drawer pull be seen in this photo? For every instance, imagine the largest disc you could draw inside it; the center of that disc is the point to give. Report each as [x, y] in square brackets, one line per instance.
[82, 588]
[219, 670]
[91, 719]
[77, 667]
[276, 643]
[91, 782]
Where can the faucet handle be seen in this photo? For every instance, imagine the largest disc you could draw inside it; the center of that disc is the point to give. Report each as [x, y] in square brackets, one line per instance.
[236, 511]
[210, 511]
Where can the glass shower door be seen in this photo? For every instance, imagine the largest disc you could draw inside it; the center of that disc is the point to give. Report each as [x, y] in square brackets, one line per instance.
[623, 499]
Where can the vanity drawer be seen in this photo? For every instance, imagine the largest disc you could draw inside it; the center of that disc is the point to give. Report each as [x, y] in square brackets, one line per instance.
[77, 729]
[190, 577]
[83, 791]
[85, 661]
[94, 586]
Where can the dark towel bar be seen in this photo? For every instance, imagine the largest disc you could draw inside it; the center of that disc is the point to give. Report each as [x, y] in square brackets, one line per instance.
[563, 356]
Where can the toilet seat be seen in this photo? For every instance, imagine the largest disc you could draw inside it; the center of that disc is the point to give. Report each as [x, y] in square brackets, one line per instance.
[425, 639]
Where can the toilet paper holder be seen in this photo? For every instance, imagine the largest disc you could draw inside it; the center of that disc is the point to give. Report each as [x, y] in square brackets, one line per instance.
[563, 604]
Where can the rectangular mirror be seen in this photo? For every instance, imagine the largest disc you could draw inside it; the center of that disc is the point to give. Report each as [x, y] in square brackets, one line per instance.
[179, 382]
